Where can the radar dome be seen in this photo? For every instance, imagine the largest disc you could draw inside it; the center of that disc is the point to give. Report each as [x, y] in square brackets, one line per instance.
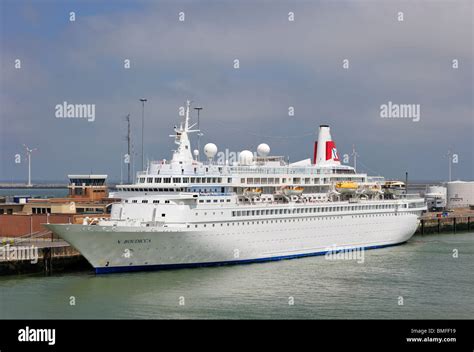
[196, 152]
[263, 149]
[210, 149]
[246, 157]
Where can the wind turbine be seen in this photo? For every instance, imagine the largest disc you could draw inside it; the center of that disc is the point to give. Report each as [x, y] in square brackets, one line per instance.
[28, 154]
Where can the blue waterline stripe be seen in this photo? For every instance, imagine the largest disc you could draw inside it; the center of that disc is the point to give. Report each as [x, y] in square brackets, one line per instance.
[120, 269]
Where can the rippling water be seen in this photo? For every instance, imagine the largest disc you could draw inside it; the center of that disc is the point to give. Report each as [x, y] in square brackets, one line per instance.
[423, 272]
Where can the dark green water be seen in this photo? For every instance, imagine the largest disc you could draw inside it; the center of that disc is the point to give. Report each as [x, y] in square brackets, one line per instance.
[432, 283]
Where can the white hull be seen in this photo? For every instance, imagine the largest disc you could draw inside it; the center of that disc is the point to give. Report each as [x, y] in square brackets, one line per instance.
[111, 249]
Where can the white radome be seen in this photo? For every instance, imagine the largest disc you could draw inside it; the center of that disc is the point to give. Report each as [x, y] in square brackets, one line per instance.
[196, 152]
[263, 149]
[210, 149]
[246, 158]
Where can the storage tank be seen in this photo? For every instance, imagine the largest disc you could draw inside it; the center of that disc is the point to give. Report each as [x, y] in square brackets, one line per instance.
[460, 194]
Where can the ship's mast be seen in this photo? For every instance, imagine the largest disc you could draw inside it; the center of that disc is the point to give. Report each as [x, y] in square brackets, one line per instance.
[183, 153]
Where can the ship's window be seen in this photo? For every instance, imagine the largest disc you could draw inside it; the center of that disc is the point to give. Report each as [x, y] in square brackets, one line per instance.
[163, 215]
[156, 201]
[149, 180]
[208, 200]
[209, 180]
[167, 201]
[167, 180]
[157, 179]
[201, 201]
[185, 179]
[215, 200]
[144, 201]
[142, 179]
[134, 201]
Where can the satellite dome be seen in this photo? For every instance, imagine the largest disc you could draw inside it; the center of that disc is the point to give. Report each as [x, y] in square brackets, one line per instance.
[246, 157]
[210, 149]
[263, 149]
[196, 152]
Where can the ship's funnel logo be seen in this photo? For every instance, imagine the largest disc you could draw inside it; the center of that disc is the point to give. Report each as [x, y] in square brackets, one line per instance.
[325, 151]
[331, 151]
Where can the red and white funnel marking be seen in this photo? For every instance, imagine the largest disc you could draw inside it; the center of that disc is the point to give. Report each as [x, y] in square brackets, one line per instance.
[325, 152]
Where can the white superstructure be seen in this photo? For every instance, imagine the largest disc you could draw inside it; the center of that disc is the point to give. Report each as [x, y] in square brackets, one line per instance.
[184, 212]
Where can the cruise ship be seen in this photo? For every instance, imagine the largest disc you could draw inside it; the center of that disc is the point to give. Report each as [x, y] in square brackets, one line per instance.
[185, 212]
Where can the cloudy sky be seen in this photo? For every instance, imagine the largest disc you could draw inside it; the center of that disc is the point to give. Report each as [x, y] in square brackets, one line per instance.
[282, 64]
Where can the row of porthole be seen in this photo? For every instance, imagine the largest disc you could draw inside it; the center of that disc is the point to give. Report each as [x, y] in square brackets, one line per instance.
[278, 221]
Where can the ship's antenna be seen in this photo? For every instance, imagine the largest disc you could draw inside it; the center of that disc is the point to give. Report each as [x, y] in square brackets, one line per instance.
[186, 121]
[28, 154]
[198, 108]
[354, 155]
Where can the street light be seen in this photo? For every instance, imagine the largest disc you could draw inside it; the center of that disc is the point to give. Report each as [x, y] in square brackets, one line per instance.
[199, 132]
[143, 129]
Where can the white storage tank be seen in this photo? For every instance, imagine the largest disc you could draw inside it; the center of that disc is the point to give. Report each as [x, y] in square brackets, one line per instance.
[460, 194]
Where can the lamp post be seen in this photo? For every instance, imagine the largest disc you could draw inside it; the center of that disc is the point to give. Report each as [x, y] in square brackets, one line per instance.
[143, 100]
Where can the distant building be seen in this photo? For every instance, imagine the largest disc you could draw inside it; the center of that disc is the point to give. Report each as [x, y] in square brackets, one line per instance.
[88, 187]
[436, 197]
[88, 194]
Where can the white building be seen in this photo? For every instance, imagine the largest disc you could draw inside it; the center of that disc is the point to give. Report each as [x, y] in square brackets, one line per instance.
[436, 197]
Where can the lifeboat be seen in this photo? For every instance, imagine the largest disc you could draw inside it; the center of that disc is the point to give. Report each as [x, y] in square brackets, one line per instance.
[346, 187]
[292, 190]
[252, 192]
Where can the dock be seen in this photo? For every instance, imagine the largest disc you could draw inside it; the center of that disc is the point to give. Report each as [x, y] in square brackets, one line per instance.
[39, 253]
[443, 222]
